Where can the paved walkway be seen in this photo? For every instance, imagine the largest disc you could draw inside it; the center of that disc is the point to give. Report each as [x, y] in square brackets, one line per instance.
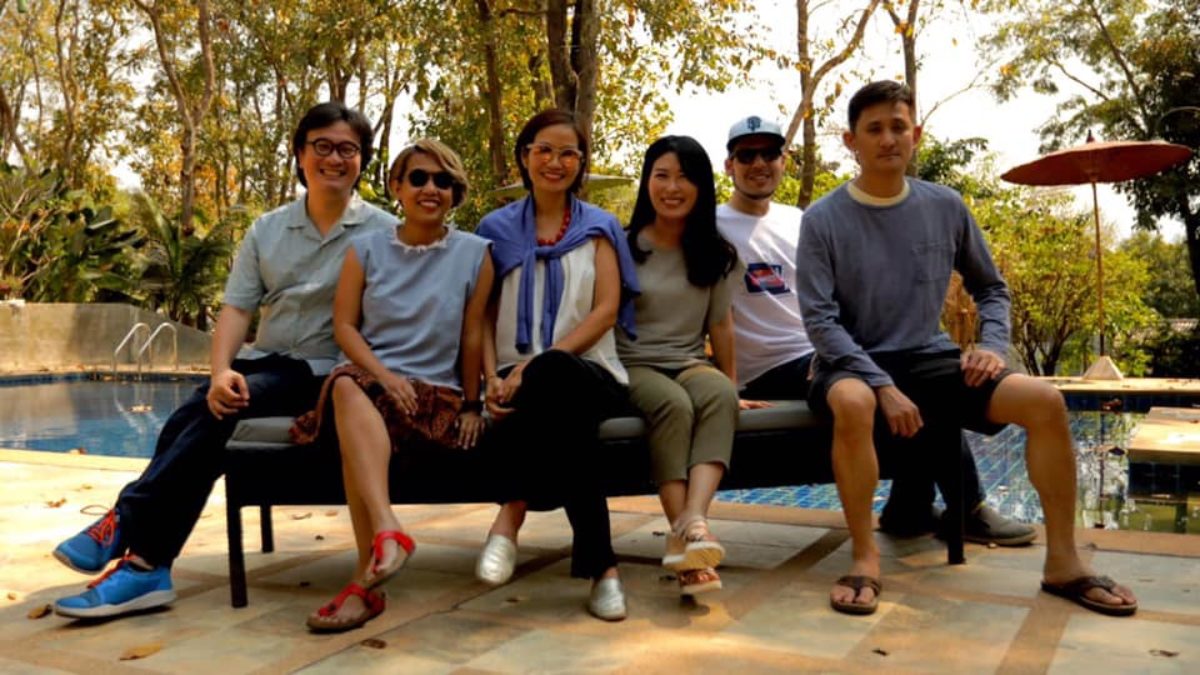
[773, 616]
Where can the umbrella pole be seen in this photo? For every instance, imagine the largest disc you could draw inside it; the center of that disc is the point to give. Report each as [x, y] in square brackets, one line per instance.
[1099, 267]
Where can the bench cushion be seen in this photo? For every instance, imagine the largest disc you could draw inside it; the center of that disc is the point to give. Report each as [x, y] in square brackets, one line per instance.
[272, 432]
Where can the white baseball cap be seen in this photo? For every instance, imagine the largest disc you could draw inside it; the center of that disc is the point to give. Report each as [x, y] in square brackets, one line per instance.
[753, 126]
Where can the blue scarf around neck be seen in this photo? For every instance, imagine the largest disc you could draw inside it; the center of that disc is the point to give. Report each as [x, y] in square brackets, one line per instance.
[512, 230]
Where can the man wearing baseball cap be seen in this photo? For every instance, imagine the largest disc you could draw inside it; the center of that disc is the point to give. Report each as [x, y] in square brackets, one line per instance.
[774, 353]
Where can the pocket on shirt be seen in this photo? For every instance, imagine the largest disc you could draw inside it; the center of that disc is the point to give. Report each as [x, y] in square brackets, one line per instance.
[932, 260]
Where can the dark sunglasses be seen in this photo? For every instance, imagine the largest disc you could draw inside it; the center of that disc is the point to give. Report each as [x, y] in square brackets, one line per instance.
[441, 179]
[747, 155]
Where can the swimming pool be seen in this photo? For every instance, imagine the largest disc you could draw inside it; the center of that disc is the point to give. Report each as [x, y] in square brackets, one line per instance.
[80, 414]
[123, 418]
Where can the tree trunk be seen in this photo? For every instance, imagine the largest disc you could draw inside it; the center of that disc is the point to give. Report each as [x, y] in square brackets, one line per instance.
[1191, 228]
[69, 164]
[585, 32]
[907, 27]
[810, 78]
[561, 77]
[494, 93]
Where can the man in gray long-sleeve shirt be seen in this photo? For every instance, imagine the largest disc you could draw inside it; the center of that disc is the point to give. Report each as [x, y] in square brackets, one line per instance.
[873, 265]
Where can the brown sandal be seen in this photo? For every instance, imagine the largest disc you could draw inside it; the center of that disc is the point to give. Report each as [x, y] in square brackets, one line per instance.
[692, 582]
[857, 582]
[1076, 591]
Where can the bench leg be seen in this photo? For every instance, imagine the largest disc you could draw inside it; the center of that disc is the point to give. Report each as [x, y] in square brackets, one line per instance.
[956, 512]
[268, 533]
[237, 561]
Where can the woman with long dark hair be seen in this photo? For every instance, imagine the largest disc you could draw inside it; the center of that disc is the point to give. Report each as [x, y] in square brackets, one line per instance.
[552, 370]
[683, 267]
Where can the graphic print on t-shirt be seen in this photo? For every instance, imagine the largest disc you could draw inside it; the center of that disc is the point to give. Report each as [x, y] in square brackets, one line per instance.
[764, 277]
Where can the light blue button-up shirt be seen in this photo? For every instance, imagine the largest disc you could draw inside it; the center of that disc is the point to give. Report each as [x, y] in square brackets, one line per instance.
[286, 269]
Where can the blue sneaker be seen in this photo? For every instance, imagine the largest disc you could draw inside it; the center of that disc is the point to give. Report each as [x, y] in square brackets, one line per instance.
[90, 550]
[121, 590]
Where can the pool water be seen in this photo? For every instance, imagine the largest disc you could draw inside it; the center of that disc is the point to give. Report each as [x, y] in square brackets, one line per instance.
[124, 418]
[93, 417]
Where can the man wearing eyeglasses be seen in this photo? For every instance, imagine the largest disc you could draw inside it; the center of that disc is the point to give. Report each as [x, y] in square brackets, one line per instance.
[286, 268]
[773, 351]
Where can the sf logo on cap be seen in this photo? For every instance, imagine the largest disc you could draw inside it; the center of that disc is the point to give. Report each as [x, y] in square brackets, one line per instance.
[753, 123]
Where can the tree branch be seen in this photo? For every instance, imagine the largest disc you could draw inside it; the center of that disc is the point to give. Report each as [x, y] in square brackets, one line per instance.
[1123, 64]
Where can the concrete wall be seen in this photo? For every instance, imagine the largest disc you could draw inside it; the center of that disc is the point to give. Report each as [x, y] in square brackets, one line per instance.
[62, 336]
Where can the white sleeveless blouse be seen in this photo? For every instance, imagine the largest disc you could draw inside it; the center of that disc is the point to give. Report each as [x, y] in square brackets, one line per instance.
[579, 286]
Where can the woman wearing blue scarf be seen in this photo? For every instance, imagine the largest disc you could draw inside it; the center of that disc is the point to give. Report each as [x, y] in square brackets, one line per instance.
[564, 280]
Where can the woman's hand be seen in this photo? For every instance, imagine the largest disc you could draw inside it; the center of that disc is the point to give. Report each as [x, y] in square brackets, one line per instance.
[401, 391]
[493, 397]
[512, 383]
[744, 404]
[470, 428]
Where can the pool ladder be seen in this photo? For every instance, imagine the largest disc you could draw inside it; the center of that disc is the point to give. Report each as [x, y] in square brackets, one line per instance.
[142, 352]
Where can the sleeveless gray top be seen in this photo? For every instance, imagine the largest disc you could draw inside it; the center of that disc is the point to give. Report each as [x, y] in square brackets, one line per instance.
[414, 300]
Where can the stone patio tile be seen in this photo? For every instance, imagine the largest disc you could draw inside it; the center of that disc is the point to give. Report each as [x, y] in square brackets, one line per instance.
[13, 667]
[1015, 572]
[362, 659]
[799, 620]
[107, 640]
[549, 651]
[326, 576]
[445, 639]
[1161, 583]
[1096, 644]
[928, 633]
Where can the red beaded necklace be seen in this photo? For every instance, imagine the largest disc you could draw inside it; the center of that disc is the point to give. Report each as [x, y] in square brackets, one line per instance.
[562, 231]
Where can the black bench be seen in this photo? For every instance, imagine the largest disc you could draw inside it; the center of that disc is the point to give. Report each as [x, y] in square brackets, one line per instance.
[778, 446]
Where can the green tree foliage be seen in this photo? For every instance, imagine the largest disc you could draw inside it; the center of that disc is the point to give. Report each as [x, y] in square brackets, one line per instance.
[56, 245]
[1170, 291]
[1130, 68]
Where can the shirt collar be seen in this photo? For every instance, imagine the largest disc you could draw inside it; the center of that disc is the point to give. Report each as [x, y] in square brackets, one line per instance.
[356, 213]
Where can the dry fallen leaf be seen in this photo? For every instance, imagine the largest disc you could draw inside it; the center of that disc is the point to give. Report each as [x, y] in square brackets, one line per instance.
[1163, 652]
[39, 612]
[374, 643]
[141, 651]
[55, 503]
[301, 516]
[331, 513]
[305, 584]
[77, 451]
[85, 486]
[881, 652]
[320, 537]
[12, 596]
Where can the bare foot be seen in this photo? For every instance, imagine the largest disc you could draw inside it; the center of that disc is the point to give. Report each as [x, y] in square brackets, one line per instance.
[867, 567]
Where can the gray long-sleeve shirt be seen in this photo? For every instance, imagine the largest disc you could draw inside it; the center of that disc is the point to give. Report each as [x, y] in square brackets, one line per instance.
[873, 279]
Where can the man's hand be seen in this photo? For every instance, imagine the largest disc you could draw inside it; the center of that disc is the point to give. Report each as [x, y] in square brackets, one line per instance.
[981, 365]
[401, 391]
[511, 384]
[227, 393]
[903, 416]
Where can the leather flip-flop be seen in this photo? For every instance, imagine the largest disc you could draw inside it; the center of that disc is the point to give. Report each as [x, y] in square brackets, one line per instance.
[1076, 590]
[325, 620]
[857, 582]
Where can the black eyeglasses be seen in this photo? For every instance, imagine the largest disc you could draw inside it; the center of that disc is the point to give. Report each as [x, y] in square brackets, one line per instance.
[325, 147]
[747, 155]
[442, 180]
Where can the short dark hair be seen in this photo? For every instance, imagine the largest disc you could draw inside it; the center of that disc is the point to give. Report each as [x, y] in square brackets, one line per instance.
[883, 91]
[441, 153]
[707, 255]
[325, 114]
[550, 118]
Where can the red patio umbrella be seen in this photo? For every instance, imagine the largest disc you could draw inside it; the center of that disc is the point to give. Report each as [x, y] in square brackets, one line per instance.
[1091, 163]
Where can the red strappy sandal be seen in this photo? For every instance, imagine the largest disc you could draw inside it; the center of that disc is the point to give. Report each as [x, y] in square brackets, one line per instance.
[325, 620]
[381, 575]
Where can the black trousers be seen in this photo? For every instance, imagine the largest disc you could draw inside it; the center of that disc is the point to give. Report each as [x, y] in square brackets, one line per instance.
[547, 450]
[913, 486]
[160, 508]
